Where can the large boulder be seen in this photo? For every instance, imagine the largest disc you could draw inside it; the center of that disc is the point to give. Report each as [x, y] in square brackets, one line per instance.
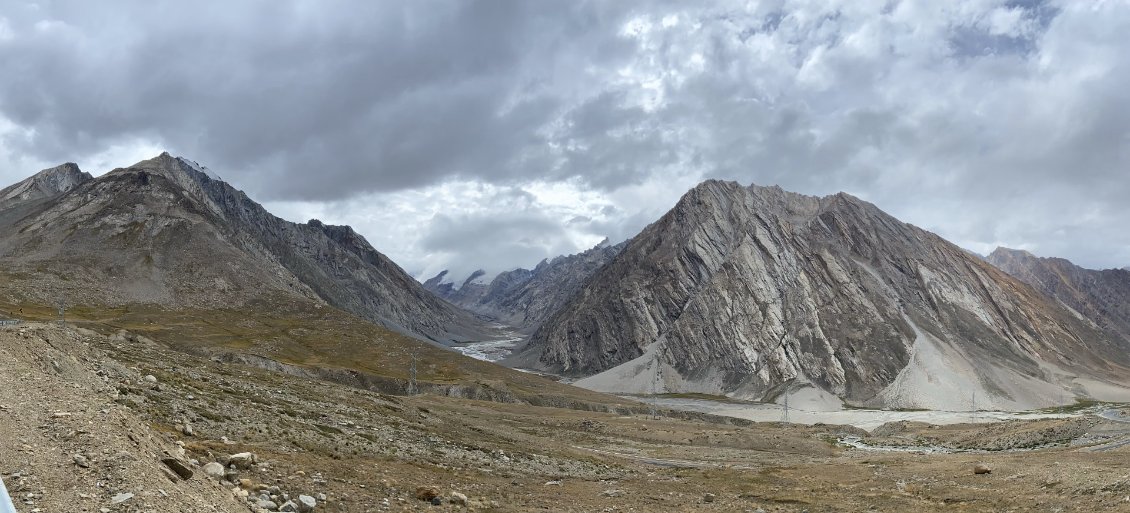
[214, 470]
[242, 461]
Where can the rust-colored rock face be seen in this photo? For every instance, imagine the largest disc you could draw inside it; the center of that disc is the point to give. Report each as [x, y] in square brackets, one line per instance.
[1103, 297]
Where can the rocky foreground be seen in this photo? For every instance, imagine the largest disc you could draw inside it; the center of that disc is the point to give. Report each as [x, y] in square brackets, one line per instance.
[121, 423]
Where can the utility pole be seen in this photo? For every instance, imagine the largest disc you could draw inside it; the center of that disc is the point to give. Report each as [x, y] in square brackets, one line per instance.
[655, 391]
[974, 416]
[62, 304]
[786, 419]
[412, 387]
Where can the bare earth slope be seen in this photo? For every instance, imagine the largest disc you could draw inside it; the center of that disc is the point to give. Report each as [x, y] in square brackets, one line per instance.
[66, 445]
[164, 232]
[750, 291]
[1101, 296]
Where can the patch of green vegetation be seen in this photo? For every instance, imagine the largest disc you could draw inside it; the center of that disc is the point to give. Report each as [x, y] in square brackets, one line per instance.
[299, 333]
[705, 397]
[1080, 405]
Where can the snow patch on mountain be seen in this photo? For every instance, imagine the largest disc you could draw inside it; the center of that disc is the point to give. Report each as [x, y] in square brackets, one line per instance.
[200, 169]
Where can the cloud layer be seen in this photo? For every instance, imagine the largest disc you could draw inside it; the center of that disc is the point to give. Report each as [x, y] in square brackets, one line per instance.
[492, 134]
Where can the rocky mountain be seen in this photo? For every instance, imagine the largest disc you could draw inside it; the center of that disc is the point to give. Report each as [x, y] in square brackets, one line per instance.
[165, 232]
[756, 292]
[1102, 297]
[524, 298]
[44, 184]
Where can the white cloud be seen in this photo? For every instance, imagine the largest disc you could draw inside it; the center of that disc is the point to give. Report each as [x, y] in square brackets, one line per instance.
[987, 121]
[6, 33]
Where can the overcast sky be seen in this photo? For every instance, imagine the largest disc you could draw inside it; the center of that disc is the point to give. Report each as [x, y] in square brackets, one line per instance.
[460, 134]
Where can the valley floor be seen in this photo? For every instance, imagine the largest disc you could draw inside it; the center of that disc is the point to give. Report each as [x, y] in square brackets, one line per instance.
[67, 392]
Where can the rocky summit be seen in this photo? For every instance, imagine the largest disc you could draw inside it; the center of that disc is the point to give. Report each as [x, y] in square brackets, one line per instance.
[44, 184]
[166, 232]
[524, 298]
[759, 293]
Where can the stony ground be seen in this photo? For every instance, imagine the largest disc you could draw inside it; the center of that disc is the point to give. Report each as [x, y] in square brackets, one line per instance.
[87, 420]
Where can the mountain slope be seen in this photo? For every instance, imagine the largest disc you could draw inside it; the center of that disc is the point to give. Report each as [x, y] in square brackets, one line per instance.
[164, 232]
[1101, 296]
[43, 184]
[754, 291]
[525, 298]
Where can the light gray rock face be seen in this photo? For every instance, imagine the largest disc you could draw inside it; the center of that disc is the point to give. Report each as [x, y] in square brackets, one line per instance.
[1103, 297]
[44, 184]
[740, 290]
[164, 232]
[525, 298]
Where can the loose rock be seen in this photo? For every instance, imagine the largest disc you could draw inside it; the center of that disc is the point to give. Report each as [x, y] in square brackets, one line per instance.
[242, 461]
[179, 468]
[215, 470]
[982, 469]
[708, 497]
[306, 503]
[458, 498]
[81, 461]
[427, 493]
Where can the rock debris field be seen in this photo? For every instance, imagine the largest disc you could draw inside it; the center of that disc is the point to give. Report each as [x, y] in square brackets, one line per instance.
[119, 423]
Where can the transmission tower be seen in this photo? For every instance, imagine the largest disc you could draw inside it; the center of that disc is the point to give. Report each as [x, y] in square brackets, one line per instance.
[786, 416]
[973, 416]
[656, 389]
[62, 304]
[412, 387]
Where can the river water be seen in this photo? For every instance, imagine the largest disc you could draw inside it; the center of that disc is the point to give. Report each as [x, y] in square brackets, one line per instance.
[861, 418]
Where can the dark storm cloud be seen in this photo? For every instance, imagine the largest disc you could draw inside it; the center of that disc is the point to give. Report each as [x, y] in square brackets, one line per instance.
[312, 99]
[988, 121]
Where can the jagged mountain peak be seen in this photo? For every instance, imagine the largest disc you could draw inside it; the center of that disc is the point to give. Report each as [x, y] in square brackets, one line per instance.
[524, 298]
[163, 231]
[739, 290]
[479, 273]
[46, 183]
[1004, 252]
[180, 170]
